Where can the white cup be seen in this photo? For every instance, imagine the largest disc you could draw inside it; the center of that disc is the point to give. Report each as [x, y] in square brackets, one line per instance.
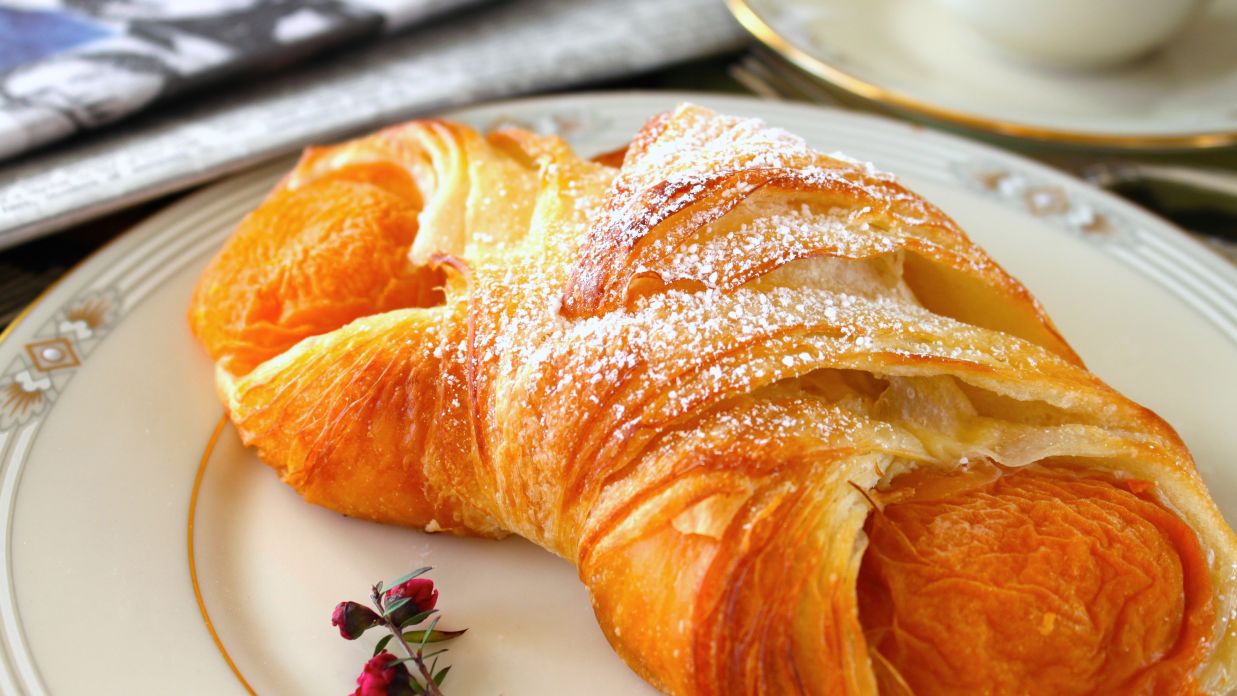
[1077, 33]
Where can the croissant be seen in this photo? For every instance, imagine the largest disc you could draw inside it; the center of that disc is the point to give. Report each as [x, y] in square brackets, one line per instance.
[797, 432]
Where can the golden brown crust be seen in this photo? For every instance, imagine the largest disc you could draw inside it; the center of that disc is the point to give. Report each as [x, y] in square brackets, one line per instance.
[675, 375]
[663, 201]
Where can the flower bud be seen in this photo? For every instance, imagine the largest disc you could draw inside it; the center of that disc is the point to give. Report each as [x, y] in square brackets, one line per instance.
[421, 597]
[354, 619]
[380, 678]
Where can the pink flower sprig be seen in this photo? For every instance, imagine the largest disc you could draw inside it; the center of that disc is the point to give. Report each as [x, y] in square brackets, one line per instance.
[407, 603]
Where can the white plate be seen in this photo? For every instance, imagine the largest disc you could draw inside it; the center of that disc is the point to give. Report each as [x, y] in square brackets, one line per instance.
[915, 55]
[107, 408]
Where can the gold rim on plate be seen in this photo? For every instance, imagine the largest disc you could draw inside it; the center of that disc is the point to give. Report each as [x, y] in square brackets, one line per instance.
[753, 22]
[198, 477]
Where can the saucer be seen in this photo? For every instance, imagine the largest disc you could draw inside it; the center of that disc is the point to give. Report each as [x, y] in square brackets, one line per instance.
[920, 59]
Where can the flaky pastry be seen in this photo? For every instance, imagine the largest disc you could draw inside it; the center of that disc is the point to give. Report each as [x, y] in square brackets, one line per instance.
[797, 432]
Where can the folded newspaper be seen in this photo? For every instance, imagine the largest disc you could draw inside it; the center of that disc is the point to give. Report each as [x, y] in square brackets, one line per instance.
[68, 68]
[68, 65]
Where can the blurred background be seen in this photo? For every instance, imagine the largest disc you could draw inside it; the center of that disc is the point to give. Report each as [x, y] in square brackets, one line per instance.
[111, 109]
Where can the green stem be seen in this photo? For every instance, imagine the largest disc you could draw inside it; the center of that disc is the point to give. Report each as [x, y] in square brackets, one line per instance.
[431, 686]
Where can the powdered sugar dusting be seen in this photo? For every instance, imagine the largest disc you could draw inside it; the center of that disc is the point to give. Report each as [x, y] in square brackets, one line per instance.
[717, 200]
[695, 297]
